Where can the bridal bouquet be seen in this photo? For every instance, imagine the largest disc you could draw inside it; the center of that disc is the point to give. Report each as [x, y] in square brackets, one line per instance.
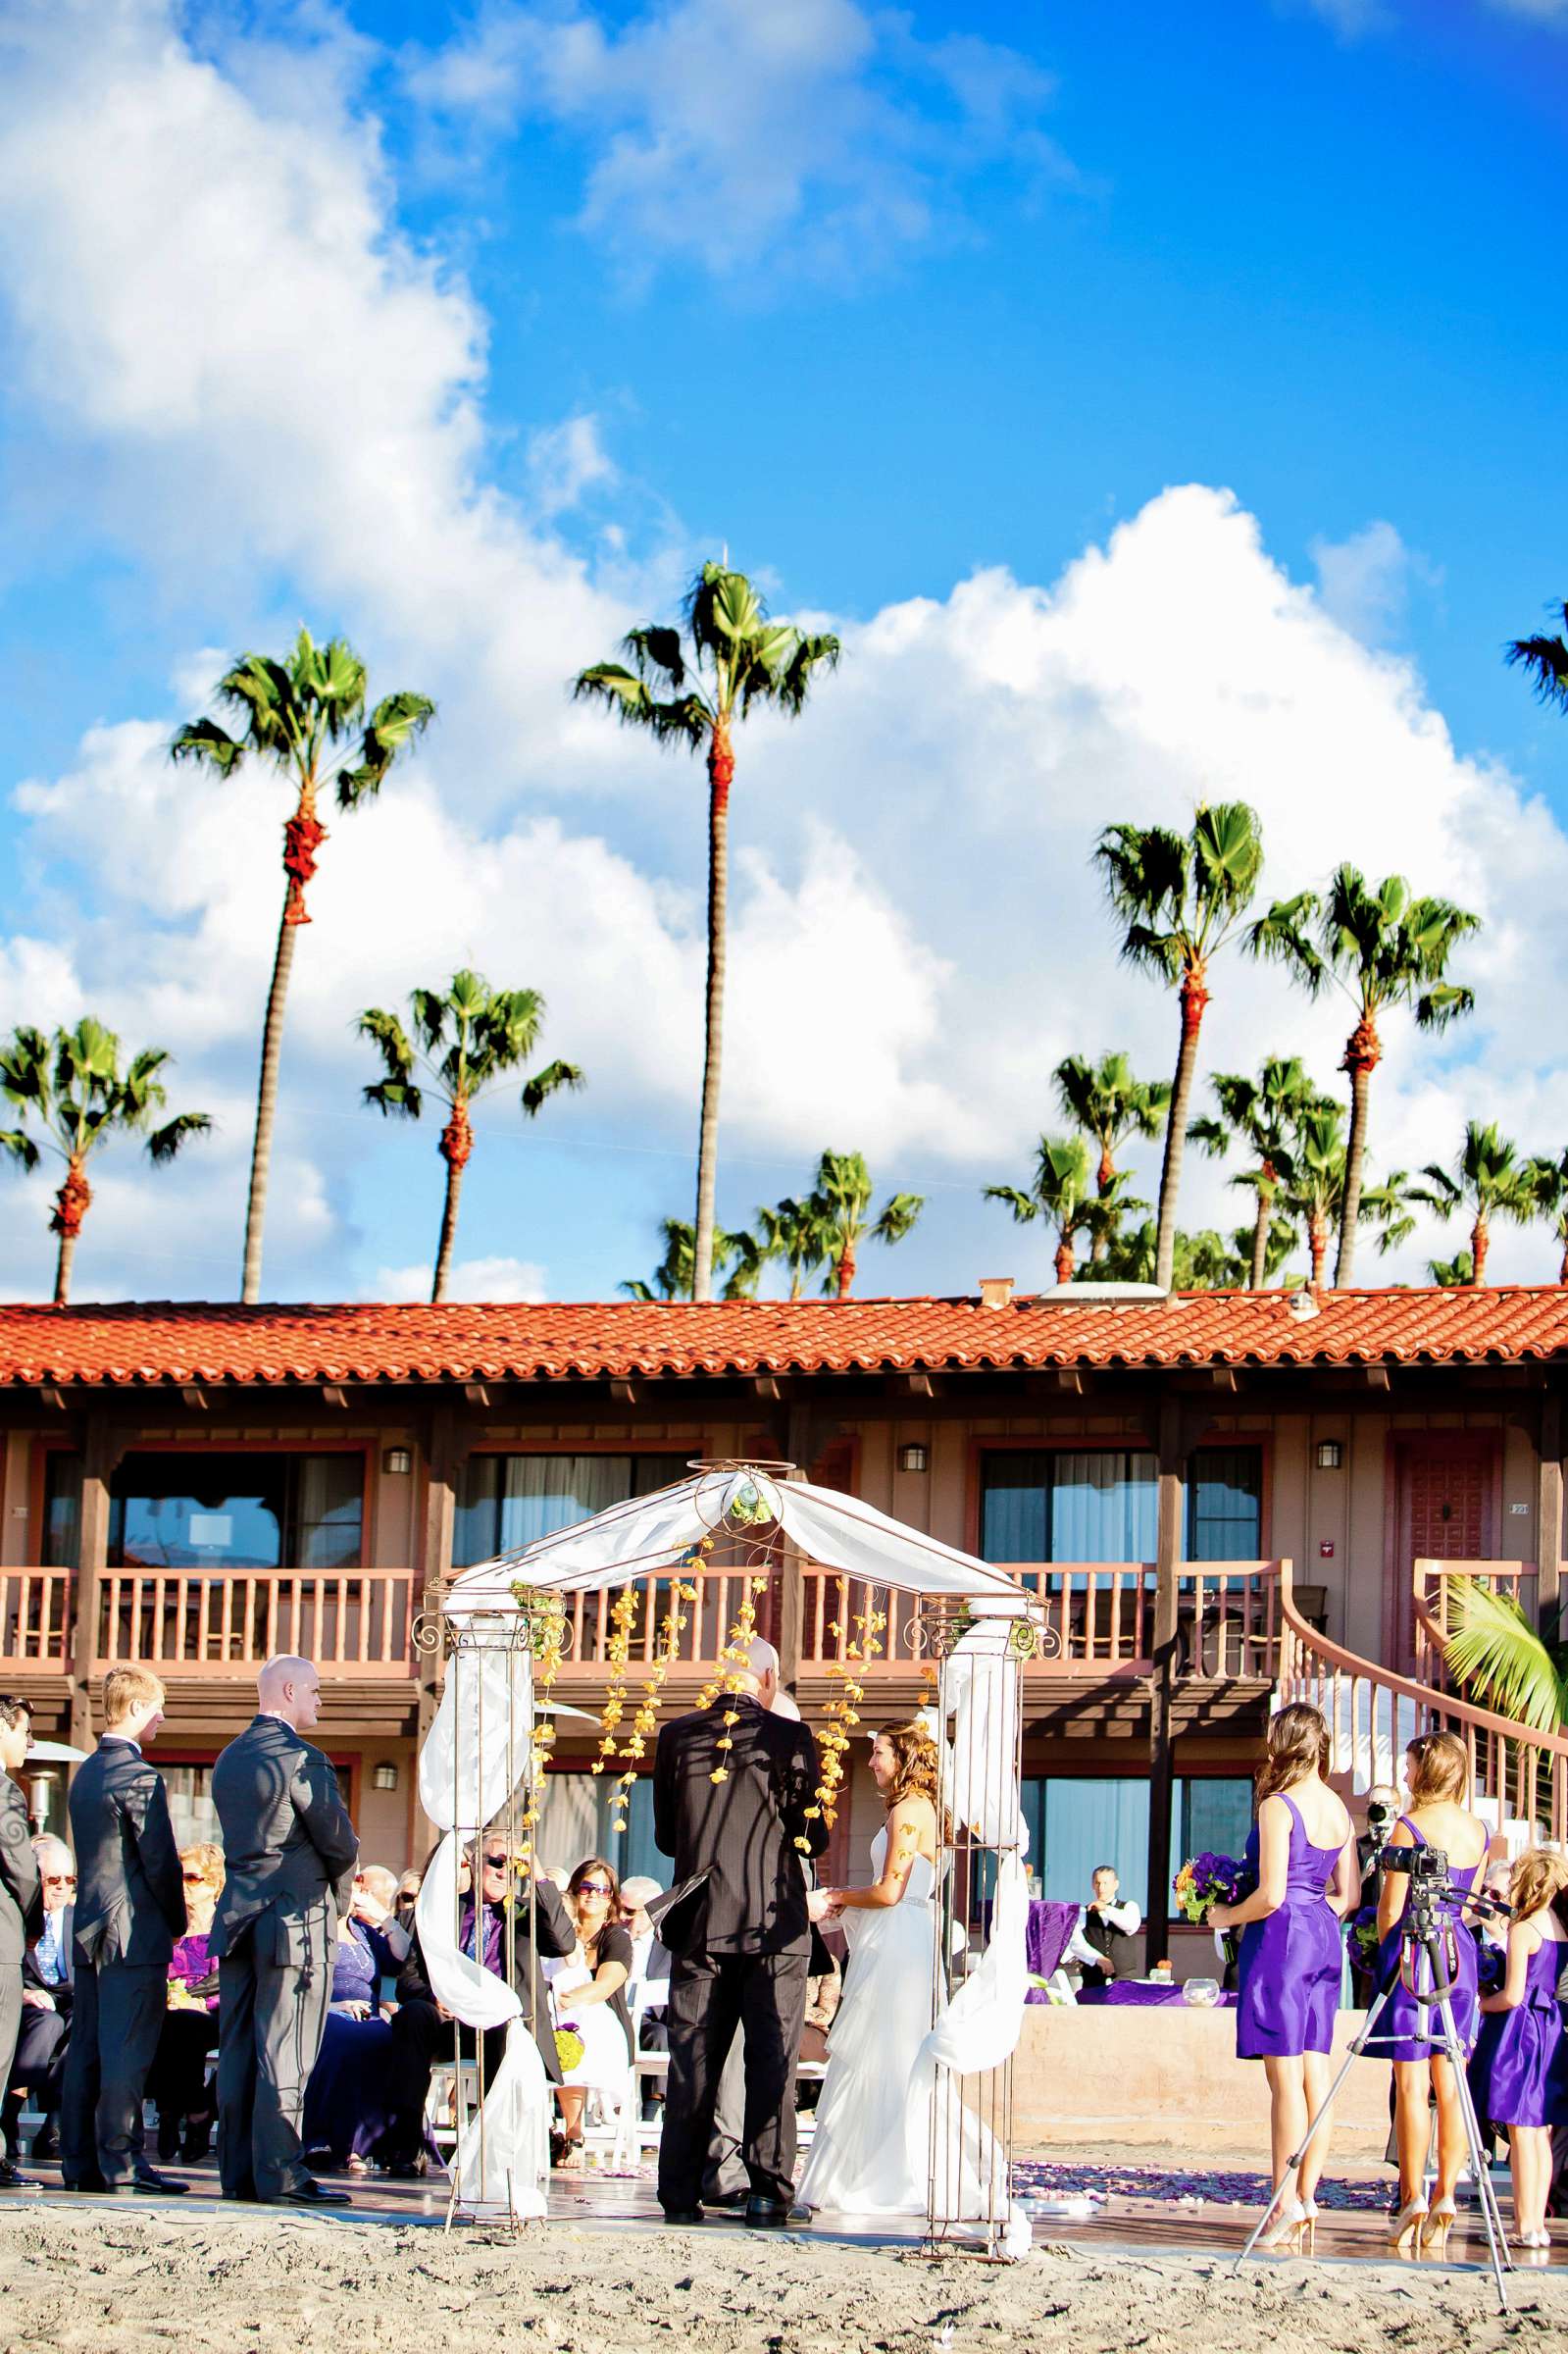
[1207, 1881]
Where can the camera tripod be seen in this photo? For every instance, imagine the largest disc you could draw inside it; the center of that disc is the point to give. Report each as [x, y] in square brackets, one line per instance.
[1421, 1941]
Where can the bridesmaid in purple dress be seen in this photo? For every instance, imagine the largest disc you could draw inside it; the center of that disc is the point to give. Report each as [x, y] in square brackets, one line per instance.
[1438, 1779]
[1302, 1850]
[1529, 2076]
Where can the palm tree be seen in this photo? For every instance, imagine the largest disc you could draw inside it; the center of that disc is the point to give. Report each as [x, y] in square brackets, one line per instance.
[1548, 1180]
[1061, 1194]
[466, 1039]
[692, 693]
[304, 720]
[1181, 898]
[798, 1235]
[841, 1199]
[738, 1253]
[1261, 1115]
[1109, 1105]
[1487, 1181]
[1456, 1274]
[1545, 660]
[1497, 1653]
[1383, 949]
[72, 1088]
[1315, 1194]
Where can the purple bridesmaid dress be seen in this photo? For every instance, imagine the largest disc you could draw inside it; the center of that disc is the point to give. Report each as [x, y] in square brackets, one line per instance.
[1288, 1971]
[1398, 2035]
[1530, 2060]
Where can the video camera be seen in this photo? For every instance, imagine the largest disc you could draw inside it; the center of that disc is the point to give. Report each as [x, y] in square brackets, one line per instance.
[1427, 1868]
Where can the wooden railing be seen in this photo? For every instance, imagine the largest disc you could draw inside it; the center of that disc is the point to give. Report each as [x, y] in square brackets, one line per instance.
[1372, 1714]
[352, 1622]
[700, 1645]
[35, 1618]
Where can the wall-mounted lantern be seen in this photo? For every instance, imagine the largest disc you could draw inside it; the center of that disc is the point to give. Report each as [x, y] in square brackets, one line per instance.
[1330, 1455]
[913, 1459]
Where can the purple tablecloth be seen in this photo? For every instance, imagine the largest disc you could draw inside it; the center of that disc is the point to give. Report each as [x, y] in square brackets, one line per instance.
[1045, 1938]
[1128, 1993]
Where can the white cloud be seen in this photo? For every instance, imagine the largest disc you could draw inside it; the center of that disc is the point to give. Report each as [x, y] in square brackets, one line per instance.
[483, 1279]
[1364, 580]
[818, 138]
[563, 461]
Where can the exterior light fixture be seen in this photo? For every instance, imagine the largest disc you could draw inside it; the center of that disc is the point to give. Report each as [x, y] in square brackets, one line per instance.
[385, 1776]
[1330, 1455]
[398, 1459]
[913, 1459]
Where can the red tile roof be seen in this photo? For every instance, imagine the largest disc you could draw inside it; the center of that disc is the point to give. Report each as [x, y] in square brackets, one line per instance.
[194, 1342]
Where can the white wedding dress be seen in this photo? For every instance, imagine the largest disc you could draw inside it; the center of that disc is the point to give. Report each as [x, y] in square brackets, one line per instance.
[862, 2159]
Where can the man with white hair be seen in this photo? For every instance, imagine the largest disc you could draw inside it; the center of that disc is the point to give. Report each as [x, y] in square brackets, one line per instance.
[732, 1804]
[290, 1851]
[48, 1989]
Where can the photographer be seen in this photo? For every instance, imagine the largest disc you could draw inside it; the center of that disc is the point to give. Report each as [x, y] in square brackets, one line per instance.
[1383, 1813]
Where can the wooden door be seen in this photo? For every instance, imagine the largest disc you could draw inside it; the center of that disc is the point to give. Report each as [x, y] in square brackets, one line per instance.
[1447, 1511]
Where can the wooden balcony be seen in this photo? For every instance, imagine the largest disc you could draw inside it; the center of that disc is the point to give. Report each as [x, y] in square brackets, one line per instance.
[200, 1623]
[36, 1620]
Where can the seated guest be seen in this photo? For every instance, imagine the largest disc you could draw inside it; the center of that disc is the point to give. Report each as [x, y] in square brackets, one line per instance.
[346, 2107]
[177, 2077]
[1100, 1943]
[587, 1988]
[648, 1986]
[407, 1897]
[40, 2066]
[495, 1924]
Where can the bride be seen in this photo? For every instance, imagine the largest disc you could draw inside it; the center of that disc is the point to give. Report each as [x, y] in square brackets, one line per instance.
[859, 2162]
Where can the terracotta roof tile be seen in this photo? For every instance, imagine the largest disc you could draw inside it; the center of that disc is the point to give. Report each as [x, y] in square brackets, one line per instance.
[193, 1342]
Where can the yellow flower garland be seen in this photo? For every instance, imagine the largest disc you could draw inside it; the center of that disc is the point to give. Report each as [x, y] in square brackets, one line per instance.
[844, 1710]
[545, 1614]
[728, 1682]
[647, 1715]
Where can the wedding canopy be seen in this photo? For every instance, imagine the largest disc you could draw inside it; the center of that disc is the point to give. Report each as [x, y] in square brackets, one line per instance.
[654, 1533]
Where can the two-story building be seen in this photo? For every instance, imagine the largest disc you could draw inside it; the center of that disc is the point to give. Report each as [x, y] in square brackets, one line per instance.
[201, 1485]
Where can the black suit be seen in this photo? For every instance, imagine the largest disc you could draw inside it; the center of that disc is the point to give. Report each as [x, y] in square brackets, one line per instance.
[741, 1940]
[131, 1907]
[290, 1851]
[21, 1913]
[40, 2066]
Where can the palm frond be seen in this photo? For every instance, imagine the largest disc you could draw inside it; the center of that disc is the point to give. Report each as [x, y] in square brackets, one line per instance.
[544, 1083]
[21, 1147]
[165, 1142]
[205, 740]
[394, 724]
[1544, 661]
[1497, 1653]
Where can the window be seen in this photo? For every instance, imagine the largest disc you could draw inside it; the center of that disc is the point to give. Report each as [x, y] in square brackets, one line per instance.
[508, 1500]
[1077, 1822]
[1225, 1505]
[62, 1509]
[1068, 1505]
[575, 1824]
[190, 1805]
[236, 1512]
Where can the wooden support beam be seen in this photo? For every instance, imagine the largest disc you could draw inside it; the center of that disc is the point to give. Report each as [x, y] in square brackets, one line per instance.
[1376, 1377]
[335, 1396]
[914, 1385]
[790, 1617]
[194, 1400]
[1224, 1377]
[1070, 1378]
[53, 1399]
[1549, 1506]
[476, 1393]
[101, 1451]
[767, 1384]
[624, 1393]
[1173, 1449]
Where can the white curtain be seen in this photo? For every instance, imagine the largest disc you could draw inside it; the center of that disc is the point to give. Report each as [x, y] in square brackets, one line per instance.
[543, 1493]
[1104, 1505]
[474, 1755]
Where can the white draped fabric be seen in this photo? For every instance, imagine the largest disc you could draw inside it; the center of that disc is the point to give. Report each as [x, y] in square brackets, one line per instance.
[466, 1768]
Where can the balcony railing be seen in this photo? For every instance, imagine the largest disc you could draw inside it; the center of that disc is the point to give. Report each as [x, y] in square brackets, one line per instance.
[35, 1618]
[352, 1622]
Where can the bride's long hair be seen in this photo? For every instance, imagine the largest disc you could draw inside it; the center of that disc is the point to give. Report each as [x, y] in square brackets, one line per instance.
[914, 1753]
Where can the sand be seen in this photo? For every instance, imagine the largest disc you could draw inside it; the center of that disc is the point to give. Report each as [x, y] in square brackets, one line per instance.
[286, 2285]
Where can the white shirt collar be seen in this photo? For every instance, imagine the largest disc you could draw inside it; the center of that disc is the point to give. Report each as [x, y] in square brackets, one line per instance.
[125, 1741]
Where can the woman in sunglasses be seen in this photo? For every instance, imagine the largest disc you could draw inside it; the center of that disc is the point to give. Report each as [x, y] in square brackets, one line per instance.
[587, 1990]
[177, 2079]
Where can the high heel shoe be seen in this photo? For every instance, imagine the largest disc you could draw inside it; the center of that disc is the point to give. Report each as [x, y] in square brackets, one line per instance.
[1308, 2245]
[1435, 2229]
[1290, 2232]
[1404, 2232]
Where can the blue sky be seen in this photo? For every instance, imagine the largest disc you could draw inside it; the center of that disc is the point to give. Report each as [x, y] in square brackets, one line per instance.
[1158, 404]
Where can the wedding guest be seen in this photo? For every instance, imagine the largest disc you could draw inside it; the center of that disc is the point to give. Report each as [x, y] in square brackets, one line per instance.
[131, 1907]
[406, 1899]
[21, 1893]
[347, 2109]
[40, 2066]
[1438, 1783]
[587, 1990]
[1101, 1942]
[291, 1852]
[177, 2079]
[1301, 1851]
[497, 1926]
[1528, 2084]
[649, 1983]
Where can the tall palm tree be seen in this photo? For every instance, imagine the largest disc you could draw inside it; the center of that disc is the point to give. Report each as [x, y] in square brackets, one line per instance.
[1314, 1196]
[1110, 1105]
[1261, 1115]
[691, 690]
[466, 1039]
[796, 1233]
[71, 1089]
[304, 720]
[1382, 947]
[1062, 1194]
[1181, 898]
[841, 1199]
[1487, 1181]
[737, 1258]
[1548, 1180]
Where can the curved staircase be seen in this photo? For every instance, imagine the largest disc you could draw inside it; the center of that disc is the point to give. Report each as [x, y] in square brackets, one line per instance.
[1519, 1776]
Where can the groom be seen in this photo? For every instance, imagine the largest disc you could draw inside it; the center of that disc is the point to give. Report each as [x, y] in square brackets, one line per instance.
[737, 1925]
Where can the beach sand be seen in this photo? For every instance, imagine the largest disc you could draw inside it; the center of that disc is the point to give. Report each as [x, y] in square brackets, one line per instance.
[293, 2284]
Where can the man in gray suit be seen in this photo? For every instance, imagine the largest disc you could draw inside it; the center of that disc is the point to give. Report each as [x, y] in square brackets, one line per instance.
[290, 1851]
[21, 1893]
[131, 1907]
